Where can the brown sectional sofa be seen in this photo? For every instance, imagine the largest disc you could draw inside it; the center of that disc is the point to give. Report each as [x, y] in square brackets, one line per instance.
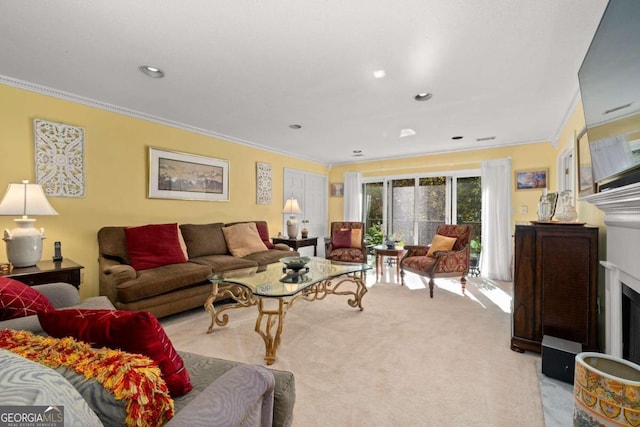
[174, 288]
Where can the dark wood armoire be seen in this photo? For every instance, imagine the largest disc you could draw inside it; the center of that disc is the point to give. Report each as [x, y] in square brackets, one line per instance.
[555, 285]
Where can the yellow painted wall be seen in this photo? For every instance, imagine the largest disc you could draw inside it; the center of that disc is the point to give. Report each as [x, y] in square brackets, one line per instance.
[116, 168]
[528, 156]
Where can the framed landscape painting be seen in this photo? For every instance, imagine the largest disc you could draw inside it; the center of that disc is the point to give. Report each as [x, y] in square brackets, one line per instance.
[174, 175]
[531, 179]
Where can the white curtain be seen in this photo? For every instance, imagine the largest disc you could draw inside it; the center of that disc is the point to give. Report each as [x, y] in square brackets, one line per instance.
[352, 196]
[495, 262]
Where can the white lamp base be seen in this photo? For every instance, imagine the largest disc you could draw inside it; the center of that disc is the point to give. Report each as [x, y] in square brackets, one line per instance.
[24, 243]
[292, 228]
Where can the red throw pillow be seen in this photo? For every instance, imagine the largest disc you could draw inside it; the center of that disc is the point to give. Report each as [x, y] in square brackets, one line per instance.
[20, 300]
[153, 245]
[131, 331]
[263, 230]
[341, 239]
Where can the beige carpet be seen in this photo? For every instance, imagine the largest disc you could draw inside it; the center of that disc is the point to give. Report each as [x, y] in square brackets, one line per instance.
[406, 360]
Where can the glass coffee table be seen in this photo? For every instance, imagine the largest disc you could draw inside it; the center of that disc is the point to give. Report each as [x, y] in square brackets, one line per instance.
[280, 288]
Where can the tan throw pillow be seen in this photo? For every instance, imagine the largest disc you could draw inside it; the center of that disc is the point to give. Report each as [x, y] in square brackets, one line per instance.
[243, 239]
[347, 238]
[441, 243]
[183, 245]
[356, 238]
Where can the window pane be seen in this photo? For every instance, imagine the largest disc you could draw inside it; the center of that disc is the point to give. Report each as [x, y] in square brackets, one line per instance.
[432, 205]
[373, 209]
[402, 214]
[469, 203]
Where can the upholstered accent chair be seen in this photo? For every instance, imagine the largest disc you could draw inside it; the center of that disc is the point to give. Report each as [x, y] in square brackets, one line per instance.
[446, 256]
[347, 242]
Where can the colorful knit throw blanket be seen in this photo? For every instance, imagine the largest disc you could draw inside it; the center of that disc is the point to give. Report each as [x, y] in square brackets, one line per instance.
[132, 378]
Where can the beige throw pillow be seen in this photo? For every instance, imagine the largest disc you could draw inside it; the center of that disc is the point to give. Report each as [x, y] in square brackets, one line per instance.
[441, 243]
[356, 238]
[183, 245]
[243, 239]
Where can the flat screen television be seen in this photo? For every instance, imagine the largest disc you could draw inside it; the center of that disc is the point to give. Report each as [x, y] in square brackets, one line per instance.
[609, 79]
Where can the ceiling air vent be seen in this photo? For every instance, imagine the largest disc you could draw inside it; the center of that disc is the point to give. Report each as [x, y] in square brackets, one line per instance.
[486, 138]
[614, 109]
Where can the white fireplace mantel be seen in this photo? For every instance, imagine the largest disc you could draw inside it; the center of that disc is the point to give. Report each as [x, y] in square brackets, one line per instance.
[621, 207]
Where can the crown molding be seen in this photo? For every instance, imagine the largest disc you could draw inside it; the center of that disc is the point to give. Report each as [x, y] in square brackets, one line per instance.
[565, 120]
[55, 93]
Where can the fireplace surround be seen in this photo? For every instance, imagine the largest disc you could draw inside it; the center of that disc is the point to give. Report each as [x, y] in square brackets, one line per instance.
[621, 207]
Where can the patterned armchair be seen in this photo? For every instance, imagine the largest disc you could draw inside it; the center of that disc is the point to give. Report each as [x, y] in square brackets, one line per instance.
[441, 263]
[347, 242]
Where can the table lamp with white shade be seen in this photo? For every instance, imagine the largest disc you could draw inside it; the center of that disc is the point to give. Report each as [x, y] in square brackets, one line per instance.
[24, 243]
[292, 208]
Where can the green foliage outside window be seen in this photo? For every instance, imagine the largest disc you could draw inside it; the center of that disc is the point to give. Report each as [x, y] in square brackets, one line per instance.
[373, 235]
[475, 246]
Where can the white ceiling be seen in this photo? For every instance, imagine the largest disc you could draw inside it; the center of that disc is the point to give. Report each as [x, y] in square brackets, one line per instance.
[244, 70]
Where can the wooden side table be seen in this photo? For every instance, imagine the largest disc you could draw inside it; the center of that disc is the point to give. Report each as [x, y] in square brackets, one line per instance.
[48, 272]
[383, 251]
[298, 243]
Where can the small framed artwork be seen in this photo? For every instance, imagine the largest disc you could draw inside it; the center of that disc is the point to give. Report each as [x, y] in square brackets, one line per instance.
[586, 185]
[337, 189]
[531, 179]
[174, 175]
[263, 183]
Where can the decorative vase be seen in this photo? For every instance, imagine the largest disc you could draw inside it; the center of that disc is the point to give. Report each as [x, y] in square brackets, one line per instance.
[544, 207]
[566, 212]
[606, 391]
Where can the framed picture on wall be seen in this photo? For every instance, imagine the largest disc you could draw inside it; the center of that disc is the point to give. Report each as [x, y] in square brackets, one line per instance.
[263, 183]
[531, 179]
[174, 175]
[337, 189]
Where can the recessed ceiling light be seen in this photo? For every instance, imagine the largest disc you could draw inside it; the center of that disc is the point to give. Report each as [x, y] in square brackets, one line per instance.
[456, 137]
[424, 96]
[407, 132]
[152, 72]
[295, 126]
[378, 74]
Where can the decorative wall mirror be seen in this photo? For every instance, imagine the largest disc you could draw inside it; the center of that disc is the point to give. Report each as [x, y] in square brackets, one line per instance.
[586, 185]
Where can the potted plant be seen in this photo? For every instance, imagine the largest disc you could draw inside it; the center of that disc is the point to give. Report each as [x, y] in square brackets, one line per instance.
[373, 235]
[393, 240]
[475, 247]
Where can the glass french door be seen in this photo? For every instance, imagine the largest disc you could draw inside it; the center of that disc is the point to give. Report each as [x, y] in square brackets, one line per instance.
[431, 208]
[411, 209]
[469, 203]
[402, 212]
[374, 212]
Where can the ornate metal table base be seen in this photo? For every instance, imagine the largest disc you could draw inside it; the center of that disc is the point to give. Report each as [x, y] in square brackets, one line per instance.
[270, 320]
